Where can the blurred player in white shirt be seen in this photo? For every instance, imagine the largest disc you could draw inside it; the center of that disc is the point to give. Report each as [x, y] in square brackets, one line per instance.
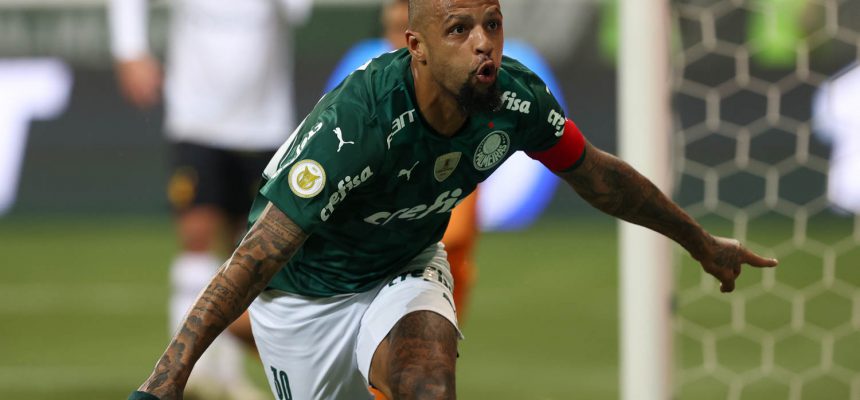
[228, 92]
[837, 121]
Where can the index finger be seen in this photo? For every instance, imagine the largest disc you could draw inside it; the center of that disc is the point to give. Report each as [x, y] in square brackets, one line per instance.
[756, 260]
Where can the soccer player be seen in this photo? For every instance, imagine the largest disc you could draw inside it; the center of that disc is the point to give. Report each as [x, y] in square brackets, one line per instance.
[461, 235]
[229, 105]
[341, 267]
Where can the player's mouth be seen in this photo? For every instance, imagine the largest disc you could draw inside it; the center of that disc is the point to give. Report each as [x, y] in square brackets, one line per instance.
[486, 72]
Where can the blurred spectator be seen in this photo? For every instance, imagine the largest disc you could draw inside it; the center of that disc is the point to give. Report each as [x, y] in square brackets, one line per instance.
[229, 105]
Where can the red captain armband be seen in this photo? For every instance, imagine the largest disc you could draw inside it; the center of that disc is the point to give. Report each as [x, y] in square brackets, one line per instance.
[567, 154]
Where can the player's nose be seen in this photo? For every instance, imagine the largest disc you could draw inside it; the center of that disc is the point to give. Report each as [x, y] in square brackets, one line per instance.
[483, 42]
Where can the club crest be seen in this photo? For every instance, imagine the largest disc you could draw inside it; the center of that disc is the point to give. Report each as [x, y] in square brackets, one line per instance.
[491, 150]
[445, 165]
[307, 178]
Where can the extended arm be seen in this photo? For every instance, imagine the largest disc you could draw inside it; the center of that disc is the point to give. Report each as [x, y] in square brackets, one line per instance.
[614, 187]
[138, 72]
[272, 240]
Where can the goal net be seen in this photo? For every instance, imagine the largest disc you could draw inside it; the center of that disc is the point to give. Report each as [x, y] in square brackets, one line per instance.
[749, 164]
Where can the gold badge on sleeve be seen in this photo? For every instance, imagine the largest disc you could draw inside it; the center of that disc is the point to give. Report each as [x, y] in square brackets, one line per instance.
[307, 178]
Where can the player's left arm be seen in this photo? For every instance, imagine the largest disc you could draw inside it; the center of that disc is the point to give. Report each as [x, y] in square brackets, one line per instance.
[614, 187]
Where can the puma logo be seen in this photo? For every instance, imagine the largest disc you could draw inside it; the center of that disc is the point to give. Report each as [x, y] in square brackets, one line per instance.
[339, 134]
[408, 172]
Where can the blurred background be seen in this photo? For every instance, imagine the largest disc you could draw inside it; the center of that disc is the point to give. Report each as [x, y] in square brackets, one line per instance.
[86, 233]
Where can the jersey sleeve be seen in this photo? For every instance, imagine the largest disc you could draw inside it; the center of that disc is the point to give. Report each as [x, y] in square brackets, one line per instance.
[547, 125]
[332, 153]
[551, 138]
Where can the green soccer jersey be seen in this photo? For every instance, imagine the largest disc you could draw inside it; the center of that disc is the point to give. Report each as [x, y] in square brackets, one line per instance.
[373, 184]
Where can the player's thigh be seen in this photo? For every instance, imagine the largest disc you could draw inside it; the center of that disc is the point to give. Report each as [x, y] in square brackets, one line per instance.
[307, 345]
[420, 352]
[414, 307]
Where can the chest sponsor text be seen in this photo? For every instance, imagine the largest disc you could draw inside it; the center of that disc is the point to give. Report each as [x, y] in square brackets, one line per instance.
[343, 188]
[445, 202]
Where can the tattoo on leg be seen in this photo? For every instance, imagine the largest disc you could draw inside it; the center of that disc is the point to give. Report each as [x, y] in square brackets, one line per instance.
[423, 357]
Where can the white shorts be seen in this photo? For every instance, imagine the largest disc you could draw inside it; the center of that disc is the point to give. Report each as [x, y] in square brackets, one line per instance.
[321, 348]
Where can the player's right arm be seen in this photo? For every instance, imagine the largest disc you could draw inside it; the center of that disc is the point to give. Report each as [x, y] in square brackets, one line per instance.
[270, 242]
[138, 72]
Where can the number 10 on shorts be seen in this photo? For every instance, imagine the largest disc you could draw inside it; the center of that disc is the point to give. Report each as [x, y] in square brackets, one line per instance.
[282, 384]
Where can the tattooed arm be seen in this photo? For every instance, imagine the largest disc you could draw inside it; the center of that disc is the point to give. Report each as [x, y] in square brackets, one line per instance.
[614, 187]
[272, 240]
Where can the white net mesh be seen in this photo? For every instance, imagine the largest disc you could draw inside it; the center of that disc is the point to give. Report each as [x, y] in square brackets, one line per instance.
[749, 166]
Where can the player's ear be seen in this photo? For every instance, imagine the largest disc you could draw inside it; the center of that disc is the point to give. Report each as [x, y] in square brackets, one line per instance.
[415, 44]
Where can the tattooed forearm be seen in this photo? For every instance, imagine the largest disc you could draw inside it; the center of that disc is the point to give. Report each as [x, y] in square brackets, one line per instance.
[614, 187]
[266, 247]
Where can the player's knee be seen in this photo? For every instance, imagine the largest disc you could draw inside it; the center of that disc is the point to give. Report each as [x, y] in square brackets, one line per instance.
[423, 355]
[423, 381]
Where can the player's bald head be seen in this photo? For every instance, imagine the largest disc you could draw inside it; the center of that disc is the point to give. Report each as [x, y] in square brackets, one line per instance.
[419, 11]
[424, 12]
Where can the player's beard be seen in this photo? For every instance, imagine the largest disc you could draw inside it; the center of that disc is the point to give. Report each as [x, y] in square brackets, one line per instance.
[473, 100]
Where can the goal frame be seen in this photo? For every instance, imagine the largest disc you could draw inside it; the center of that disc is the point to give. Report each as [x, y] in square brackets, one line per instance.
[644, 256]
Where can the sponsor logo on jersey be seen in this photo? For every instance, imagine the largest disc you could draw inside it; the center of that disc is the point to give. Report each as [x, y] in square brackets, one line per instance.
[407, 172]
[557, 121]
[307, 178]
[275, 167]
[306, 139]
[445, 165]
[511, 102]
[279, 161]
[491, 150]
[399, 123]
[444, 203]
[343, 188]
[339, 134]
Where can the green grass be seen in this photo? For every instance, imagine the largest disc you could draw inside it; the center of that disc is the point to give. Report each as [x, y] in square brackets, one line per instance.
[543, 321]
[83, 309]
[82, 305]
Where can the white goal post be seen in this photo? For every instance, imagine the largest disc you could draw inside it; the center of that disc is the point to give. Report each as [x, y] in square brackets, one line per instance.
[645, 256]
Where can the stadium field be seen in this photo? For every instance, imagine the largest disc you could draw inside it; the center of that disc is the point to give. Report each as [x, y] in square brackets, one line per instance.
[82, 304]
